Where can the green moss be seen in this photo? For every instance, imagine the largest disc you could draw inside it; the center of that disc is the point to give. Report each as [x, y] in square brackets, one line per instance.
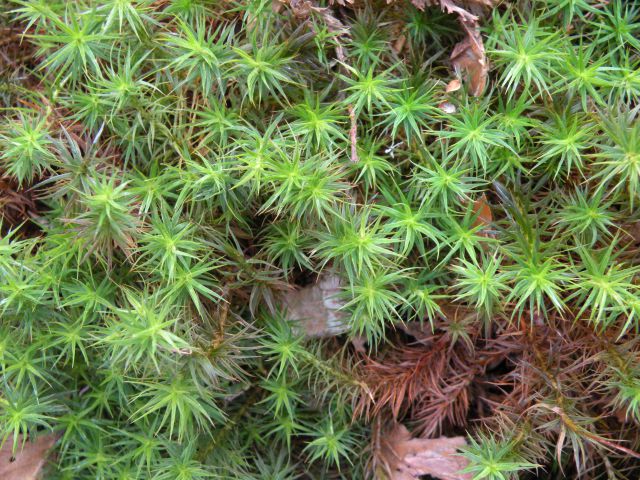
[190, 161]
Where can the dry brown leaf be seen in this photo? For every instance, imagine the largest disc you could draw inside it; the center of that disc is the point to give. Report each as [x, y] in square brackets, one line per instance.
[484, 216]
[316, 308]
[408, 458]
[454, 6]
[469, 59]
[302, 9]
[419, 4]
[27, 463]
[449, 6]
[399, 43]
[453, 85]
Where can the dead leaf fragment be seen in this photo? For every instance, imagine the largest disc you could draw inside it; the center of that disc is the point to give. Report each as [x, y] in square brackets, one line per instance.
[469, 59]
[27, 463]
[399, 43]
[449, 6]
[419, 4]
[407, 458]
[453, 86]
[484, 217]
[301, 8]
[453, 6]
[316, 309]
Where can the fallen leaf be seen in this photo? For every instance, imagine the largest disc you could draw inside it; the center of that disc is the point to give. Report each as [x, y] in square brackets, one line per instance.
[419, 4]
[276, 6]
[469, 59]
[316, 309]
[484, 216]
[27, 463]
[468, 56]
[449, 6]
[301, 8]
[399, 43]
[407, 458]
[453, 86]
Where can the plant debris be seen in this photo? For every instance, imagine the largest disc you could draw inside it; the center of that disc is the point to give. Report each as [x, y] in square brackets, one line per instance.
[28, 462]
[316, 309]
[403, 457]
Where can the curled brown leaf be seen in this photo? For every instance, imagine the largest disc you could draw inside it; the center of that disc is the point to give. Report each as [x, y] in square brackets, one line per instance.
[469, 59]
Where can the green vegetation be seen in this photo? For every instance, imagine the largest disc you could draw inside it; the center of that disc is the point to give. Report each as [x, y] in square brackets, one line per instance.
[170, 170]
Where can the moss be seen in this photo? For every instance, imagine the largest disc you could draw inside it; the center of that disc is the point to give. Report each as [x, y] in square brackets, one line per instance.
[171, 169]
